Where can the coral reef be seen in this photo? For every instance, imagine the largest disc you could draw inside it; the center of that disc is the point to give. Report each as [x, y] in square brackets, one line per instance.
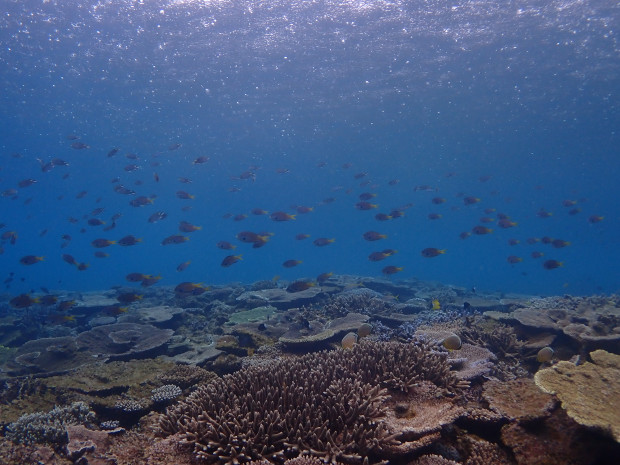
[166, 393]
[51, 427]
[518, 399]
[186, 376]
[592, 322]
[590, 393]
[327, 404]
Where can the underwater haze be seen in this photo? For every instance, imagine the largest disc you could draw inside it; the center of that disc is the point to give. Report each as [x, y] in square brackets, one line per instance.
[483, 131]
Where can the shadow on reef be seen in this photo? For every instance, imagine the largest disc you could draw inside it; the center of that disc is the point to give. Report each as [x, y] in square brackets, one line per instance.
[355, 371]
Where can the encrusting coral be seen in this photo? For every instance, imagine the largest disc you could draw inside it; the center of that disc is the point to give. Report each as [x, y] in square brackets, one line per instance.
[590, 393]
[325, 404]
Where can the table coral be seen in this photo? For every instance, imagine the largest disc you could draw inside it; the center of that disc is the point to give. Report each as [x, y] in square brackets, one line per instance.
[590, 393]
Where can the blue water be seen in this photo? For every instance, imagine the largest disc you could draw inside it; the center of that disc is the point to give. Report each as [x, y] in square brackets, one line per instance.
[430, 93]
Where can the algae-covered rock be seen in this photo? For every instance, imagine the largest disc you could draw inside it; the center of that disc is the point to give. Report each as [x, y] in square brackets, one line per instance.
[590, 393]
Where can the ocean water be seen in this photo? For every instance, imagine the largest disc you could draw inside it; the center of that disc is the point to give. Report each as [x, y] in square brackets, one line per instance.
[516, 105]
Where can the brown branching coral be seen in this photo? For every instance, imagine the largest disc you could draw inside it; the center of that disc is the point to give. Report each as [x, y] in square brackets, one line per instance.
[498, 338]
[363, 301]
[326, 404]
[186, 376]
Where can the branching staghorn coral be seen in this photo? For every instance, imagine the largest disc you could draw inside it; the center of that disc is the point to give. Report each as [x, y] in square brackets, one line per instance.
[327, 404]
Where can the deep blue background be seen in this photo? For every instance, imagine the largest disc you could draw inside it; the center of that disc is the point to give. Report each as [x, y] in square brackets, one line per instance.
[430, 93]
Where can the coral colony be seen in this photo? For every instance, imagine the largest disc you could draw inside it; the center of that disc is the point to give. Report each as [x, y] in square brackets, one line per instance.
[343, 373]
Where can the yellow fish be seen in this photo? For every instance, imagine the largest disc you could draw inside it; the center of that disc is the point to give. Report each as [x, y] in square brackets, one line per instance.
[436, 304]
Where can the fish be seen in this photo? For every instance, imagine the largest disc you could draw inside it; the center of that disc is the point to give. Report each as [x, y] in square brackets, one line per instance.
[438, 200]
[100, 254]
[544, 355]
[113, 310]
[291, 263]
[225, 245]
[481, 230]
[397, 214]
[157, 216]
[542, 213]
[113, 152]
[430, 252]
[82, 266]
[184, 226]
[302, 209]
[390, 270]
[595, 219]
[367, 195]
[141, 201]
[30, 259]
[486, 219]
[66, 305]
[56, 319]
[373, 236]
[240, 217]
[23, 301]
[512, 259]
[48, 300]
[434, 216]
[506, 223]
[174, 239]
[559, 243]
[190, 289]
[131, 167]
[382, 217]
[184, 195]
[435, 305]
[128, 297]
[281, 216]
[183, 266]
[95, 222]
[175, 146]
[200, 160]
[299, 286]
[26, 182]
[301, 237]
[366, 205]
[136, 277]
[323, 241]
[150, 280]
[79, 146]
[120, 189]
[323, 277]
[348, 341]
[10, 236]
[129, 240]
[470, 200]
[259, 211]
[552, 264]
[378, 256]
[250, 237]
[9, 193]
[452, 342]
[185, 180]
[230, 259]
[536, 254]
